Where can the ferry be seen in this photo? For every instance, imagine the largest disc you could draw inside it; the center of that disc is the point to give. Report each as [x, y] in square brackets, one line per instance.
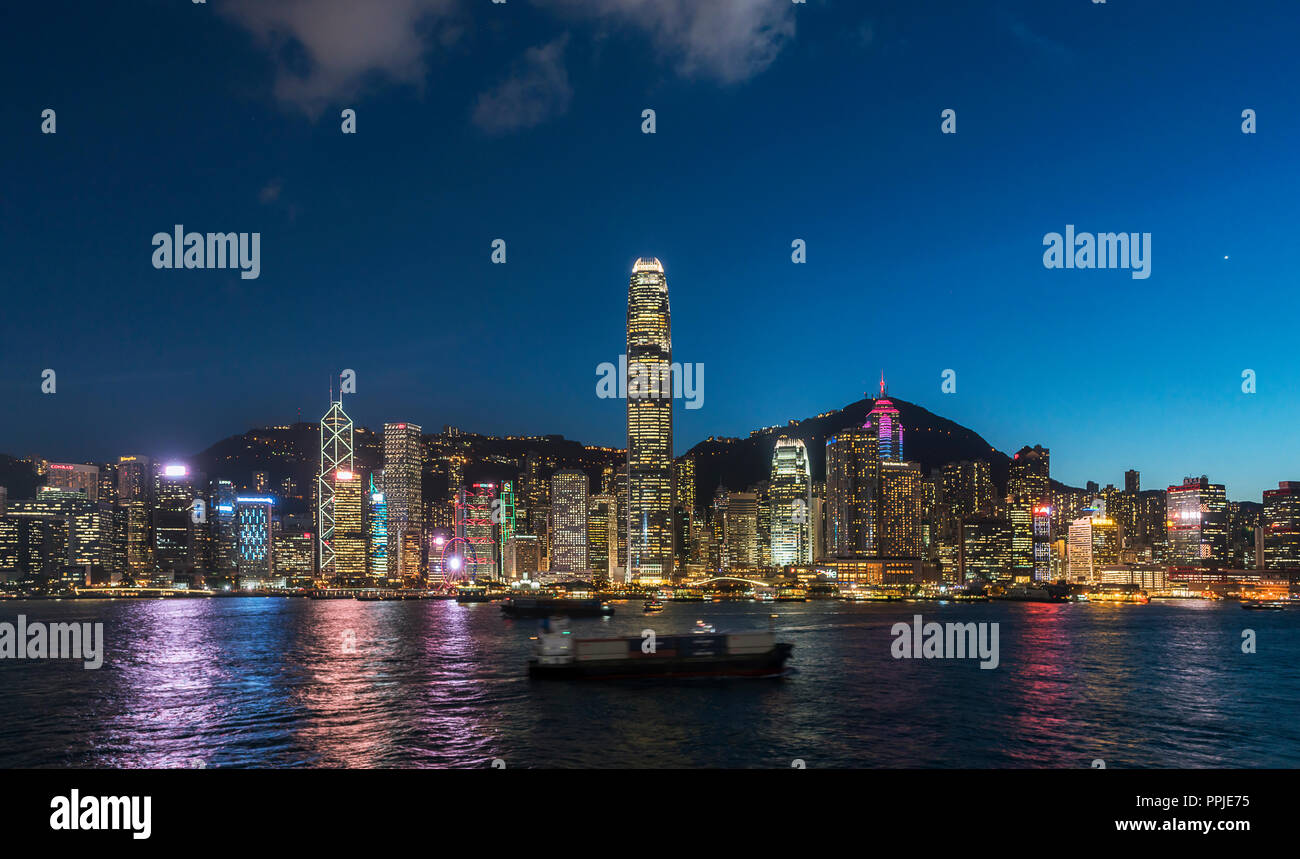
[551, 606]
[473, 593]
[1138, 597]
[652, 605]
[1030, 593]
[560, 656]
[1263, 605]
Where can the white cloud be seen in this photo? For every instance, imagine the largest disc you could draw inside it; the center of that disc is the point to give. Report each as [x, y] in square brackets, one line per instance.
[326, 50]
[537, 90]
[726, 40]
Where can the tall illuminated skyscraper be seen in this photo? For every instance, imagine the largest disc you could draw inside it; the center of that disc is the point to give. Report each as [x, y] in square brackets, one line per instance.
[884, 420]
[898, 508]
[1281, 526]
[378, 554]
[335, 455]
[474, 525]
[255, 556]
[602, 529]
[649, 424]
[348, 536]
[569, 521]
[135, 497]
[1030, 479]
[1197, 523]
[852, 480]
[790, 488]
[403, 465]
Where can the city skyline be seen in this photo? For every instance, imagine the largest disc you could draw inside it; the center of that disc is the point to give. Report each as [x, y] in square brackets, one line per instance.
[924, 250]
[1108, 478]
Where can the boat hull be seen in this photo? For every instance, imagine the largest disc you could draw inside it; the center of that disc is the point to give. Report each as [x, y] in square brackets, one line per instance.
[555, 608]
[767, 664]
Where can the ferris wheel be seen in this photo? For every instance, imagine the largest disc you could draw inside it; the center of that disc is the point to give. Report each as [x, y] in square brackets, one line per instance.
[456, 558]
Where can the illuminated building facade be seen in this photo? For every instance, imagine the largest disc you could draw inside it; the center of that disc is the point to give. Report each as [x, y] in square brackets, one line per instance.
[649, 424]
[852, 477]
[899, 510]
[1197, 523]
[985, 548]
[336, 440]
[377, 558]
[403, 493]
[174, 531]
[79, 478]
[884, 420]
[1093, 543]
[569, 521]
[292, 558]
[740, 532]
[790, 491]
[521, 558]
[254, 556]
[474, 525]
[347, 543]
[1281, 526]
[135, 499]
[1030, 479]
[601, 526]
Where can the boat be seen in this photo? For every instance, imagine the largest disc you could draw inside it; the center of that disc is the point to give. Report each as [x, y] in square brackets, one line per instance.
[791, 595]
[552, 606]
[473, 593]
[652, 605]
[1030, 593]
[560, 656]
[1263, 605]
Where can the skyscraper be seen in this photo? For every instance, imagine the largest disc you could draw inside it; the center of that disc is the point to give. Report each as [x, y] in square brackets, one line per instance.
[790, 488]
[82, 478]
[403, 466]
[347, 542]
[135, 497]
[740, 532]
[649, 424]
[1030, 479]
[884, 420]
[335, 455]
[1197, 523]
[852, 479]
[602, 527]
[1094, 542]
[474, 525]
[255, 558]
[898, 510]
[1281, 526]
[378, 512]
[569, 521]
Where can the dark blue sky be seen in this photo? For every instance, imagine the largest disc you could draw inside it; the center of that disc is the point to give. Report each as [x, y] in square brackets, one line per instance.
[775, 121]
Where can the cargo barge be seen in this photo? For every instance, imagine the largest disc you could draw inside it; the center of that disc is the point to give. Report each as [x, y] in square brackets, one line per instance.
[560, 656]
[555, 606]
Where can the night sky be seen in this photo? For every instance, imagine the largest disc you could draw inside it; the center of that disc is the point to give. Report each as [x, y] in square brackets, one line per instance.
[775, 122]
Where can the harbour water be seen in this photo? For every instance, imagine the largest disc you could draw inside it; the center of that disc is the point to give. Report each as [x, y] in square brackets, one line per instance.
[276, 682]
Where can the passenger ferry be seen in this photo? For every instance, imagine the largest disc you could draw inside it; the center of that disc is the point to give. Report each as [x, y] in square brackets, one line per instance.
[704, 653]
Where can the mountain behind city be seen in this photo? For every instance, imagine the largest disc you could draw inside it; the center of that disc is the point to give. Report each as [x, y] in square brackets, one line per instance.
[734, 463]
